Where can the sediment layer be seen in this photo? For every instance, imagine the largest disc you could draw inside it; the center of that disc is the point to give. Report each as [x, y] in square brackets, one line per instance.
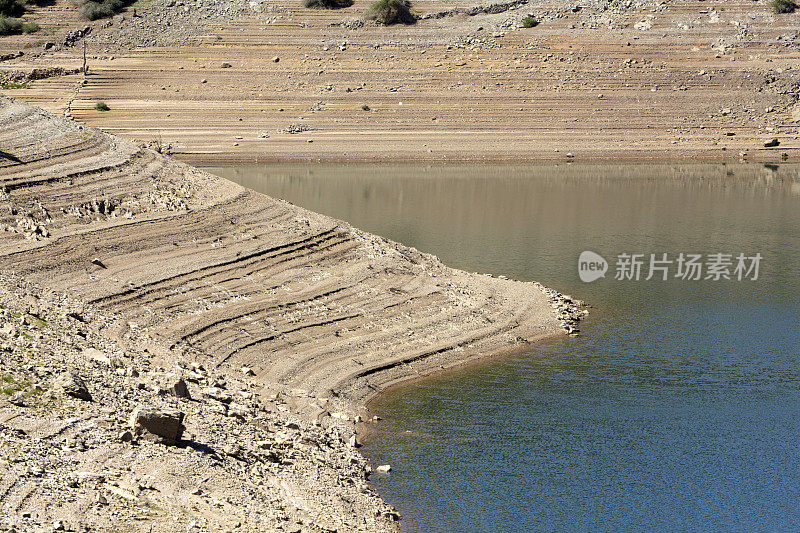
[273, 81]
[300, 307]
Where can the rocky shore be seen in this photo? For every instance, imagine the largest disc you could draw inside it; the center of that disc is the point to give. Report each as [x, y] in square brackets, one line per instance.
[180, 353]
[73, 459]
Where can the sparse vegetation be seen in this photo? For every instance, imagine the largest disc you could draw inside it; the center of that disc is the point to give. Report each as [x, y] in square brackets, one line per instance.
[365, 107]
[93, 10]
[529, 22]
[391, 12]
[11, 26]
[783, 6]
[327, 4]
[102, 106]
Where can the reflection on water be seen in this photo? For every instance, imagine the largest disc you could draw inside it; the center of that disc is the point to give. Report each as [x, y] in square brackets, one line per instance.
[678, 407]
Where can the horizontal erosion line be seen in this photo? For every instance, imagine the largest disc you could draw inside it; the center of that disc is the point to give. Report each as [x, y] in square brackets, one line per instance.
[11, 185]
[222, 264]
[404, 361]
[205, 328]
[286, 332]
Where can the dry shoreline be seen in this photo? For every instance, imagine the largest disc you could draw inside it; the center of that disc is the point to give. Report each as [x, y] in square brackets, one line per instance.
[276, 316]
[605, 80]
[283, 322]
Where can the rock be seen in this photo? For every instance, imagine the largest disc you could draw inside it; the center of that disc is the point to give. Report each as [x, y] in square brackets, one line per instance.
[247, 371]
[93, 354]
[159, 425]
[295, 128]
[126, 436]
[99, 263]
[276, 59]
[178, 389]
[73, 385]
[384, 469]
[226, 65]
[17, 399]
[353, 442]
[772, 143]
[215, 393]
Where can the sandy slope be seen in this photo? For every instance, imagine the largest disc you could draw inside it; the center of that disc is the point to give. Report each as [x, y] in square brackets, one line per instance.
[611, 80]
[166, 268]
[232, 277]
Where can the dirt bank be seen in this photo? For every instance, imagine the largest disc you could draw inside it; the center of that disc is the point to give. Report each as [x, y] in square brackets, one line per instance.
[171, 268]
[595, 80]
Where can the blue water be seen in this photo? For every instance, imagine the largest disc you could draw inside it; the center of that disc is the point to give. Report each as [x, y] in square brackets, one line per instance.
[678, 407]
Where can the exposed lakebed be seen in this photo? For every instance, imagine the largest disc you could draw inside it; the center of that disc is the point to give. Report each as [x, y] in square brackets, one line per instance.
[677, 407]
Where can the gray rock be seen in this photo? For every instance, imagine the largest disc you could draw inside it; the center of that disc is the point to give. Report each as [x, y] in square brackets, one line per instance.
[93, 354]
[17, 399]
[73, 385]
[177, 388]
[164, 426]
[772, 143]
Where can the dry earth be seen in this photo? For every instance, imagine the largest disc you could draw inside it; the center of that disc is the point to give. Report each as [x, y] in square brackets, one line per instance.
[279, 316]
[597, 79]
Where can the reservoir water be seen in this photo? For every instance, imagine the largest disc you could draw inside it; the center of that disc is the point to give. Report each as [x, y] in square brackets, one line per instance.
[678, 406]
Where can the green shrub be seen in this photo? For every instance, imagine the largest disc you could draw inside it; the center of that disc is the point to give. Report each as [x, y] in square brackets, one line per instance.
[30, 27]
[93, 10]
[9, 26]
[783, 6]
[327, 4]
[102, 106]
[12, 8]
[529, 22]
[391, 12]
[365, 107]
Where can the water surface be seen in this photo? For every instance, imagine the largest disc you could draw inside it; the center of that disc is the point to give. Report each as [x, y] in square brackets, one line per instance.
[677, 408]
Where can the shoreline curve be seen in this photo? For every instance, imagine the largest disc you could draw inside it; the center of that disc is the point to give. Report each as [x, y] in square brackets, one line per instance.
[303, 310]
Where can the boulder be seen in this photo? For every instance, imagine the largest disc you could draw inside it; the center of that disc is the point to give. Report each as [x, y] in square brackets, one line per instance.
[177, 387]
[73, 385]
[164, 426]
